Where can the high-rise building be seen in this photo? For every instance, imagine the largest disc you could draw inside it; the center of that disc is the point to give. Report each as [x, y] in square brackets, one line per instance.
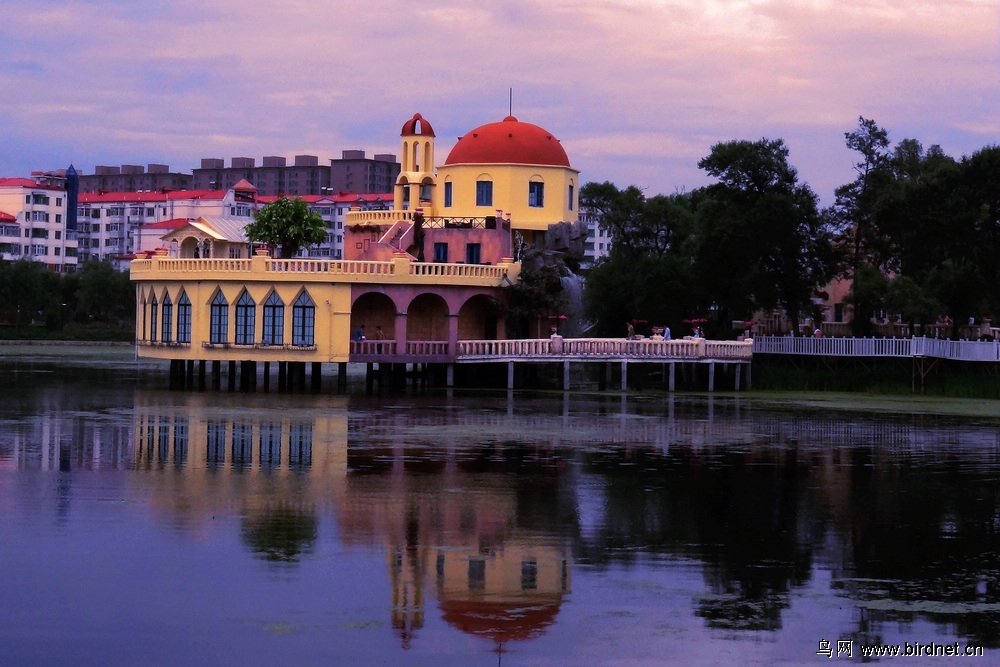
[33, 222]
[134, 178]
[354, 173]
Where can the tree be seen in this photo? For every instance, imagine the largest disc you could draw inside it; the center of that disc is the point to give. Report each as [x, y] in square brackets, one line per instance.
[761, 240]
[647, 273]
[853, 210]
[103, 292]
[288, 224]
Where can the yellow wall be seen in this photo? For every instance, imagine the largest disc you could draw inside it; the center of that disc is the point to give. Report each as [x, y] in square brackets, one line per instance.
[510, 193]
[332, 314]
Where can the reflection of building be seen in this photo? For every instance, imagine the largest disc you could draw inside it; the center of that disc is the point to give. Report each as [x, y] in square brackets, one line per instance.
[430, 272]
[455, 523]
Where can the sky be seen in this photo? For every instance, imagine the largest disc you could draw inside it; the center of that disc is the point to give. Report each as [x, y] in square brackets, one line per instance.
[637, 91]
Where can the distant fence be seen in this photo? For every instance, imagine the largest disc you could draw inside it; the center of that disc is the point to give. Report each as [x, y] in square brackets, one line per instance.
[957, 350]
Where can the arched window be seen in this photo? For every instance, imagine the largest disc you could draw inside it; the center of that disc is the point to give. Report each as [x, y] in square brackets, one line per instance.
[274, 321]
[168, 319]
[219, 330]
[245, 320]
[303, 321]
[143, 332]
[184, 319]
[153, 311]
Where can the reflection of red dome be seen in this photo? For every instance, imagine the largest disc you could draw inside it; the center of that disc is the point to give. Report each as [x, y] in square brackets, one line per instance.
[509, 142]
[500, 621]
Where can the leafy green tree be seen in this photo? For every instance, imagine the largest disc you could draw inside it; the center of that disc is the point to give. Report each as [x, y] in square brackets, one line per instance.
[104, 293]
[761, 240]
[867, 297]
[29, 294]
[911, 301]
[647, 273]
[287, 224]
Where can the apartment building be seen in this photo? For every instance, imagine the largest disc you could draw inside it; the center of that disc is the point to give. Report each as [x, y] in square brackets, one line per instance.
[274, 177]
[334, 210]
[33, 224]
[354, 173]
[598, 243]
[117, 225]
[134, 178]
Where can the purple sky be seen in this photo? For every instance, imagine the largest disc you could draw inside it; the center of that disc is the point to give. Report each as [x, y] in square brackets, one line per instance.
[637, 90]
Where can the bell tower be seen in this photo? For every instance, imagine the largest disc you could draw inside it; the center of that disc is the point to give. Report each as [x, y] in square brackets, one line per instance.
[415, 184]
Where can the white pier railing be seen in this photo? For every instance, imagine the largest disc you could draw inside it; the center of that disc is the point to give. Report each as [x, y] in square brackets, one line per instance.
[957, 350]
[557, 348]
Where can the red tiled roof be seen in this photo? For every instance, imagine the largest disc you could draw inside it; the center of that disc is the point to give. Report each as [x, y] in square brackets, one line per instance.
[168, 224]
[341, 198]
[144, 197]
[7, 217]
[28, 183]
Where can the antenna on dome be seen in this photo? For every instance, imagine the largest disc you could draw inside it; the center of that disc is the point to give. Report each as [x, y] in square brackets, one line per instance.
[510, 102]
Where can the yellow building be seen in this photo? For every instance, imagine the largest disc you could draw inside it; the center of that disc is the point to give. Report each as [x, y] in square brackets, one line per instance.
[414, 280]
[518, 170]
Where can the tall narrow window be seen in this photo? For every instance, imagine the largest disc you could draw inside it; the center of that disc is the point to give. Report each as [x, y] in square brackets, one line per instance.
[303, 321]
[274, 321]
[184, 319]
[472, 253]
[440, 252]
[447, 194]
[219, 330]
[484, 193]
[245, 320]
[570, 207]
[168, 320]
[536, 194]
[153, 311]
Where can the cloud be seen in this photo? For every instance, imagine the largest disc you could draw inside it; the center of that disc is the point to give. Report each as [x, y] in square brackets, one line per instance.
[633, 88]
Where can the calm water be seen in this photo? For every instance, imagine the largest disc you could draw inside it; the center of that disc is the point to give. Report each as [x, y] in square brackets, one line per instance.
[140, 526]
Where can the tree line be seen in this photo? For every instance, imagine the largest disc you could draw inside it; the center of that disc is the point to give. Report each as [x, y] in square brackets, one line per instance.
[917, 232]
[95, 301]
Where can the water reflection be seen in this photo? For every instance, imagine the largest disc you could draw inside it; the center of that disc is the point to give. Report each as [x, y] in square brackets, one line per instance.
[480, 518]
[486, 528]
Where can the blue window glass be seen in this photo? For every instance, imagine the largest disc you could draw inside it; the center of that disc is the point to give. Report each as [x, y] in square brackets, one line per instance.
[536, 194]
[153, 312]
[441, 252]
[166, 332]
[184, 319]
[219, 326]
[245, 320]
[484, 193]
[274, 321]
[303, 321]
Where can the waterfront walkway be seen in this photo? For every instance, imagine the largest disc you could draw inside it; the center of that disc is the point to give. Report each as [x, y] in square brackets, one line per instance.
[931, 348]
[567, 351]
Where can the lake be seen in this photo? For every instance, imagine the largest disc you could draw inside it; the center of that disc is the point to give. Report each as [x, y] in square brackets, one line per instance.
[146, 526]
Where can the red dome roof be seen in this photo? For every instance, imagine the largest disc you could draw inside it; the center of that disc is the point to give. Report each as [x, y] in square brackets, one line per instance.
[417, 126]
[509, 142]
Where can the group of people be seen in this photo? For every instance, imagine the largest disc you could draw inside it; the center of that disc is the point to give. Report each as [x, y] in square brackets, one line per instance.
[630, 332]
[359, 333]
